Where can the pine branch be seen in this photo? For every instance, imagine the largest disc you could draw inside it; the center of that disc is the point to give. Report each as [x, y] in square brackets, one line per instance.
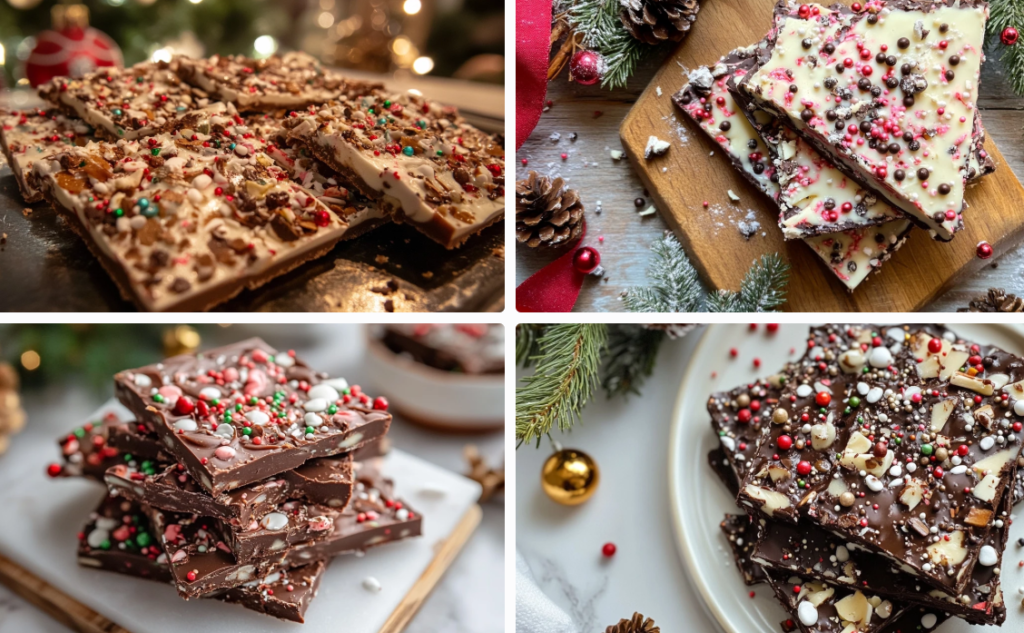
[527, 335]
[674, 285]
[764, 286]
[569, 359]
[632, 351]
[1004, 13]
[598, 21]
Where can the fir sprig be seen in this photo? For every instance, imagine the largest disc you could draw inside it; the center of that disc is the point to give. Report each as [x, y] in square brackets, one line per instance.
[527, 335]
[1004, 13]
[568, 361]
[598, 21]
[632, 351]
[763, 289]
[674, 284]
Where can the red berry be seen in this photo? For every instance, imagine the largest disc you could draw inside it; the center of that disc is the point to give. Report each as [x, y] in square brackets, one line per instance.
[743, 416]
[876, 341]
[183, 406]
[757, 362]
[785, 442]
[984, 250]
[191, 576]
[804, 11]
[608, 549]
[380, 403]
[734, 352]
[321, 218]
[772, 328]
[753, 327]
[53, 470]
[935, 345]
[823, 398]
[803, 468]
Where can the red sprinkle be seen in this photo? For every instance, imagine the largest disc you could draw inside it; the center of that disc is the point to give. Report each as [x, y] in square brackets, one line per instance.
[609, 549]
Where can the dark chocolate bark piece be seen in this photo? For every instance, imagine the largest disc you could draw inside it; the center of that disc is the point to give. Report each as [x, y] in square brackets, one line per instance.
[118, 537]
[241, 413]
[817, 608]
[284, 594]
[741, 532]
[737, 416]
[719, 463]
[463, 348]
[138, 440]
[85, 451]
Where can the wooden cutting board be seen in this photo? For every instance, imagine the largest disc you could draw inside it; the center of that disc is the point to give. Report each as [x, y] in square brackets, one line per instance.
[687, 175]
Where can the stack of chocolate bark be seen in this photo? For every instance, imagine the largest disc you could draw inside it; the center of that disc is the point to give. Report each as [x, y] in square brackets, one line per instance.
[192, 180]
[860, 122]
[877, 476]
[242, 475]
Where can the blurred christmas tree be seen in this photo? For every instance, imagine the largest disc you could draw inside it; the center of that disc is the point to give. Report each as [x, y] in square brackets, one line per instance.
[143, 27]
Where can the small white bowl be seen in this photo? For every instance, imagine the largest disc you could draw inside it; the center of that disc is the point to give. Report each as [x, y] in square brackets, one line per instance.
[434, 398]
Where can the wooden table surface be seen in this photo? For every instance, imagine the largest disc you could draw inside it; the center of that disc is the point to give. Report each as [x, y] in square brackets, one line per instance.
[595, 114]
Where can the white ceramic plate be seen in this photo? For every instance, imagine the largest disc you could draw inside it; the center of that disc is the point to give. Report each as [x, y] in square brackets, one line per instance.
[699, 500]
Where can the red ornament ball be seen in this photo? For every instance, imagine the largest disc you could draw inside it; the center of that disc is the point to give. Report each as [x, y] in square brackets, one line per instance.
[71, 52]
[984, 250]
[586, 260]
[608, 549]
[586, 67]
[1009, 36]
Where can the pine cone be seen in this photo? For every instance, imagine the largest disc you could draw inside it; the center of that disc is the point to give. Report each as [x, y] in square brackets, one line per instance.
[547, 212]
[637, 624]
[997, 300]
[657, 21]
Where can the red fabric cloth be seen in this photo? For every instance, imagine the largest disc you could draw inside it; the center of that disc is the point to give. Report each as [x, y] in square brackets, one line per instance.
[553, 288]
[533, 44]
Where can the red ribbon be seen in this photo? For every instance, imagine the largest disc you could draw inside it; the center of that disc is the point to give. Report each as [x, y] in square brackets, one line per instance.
[533, 47]
[553, 288]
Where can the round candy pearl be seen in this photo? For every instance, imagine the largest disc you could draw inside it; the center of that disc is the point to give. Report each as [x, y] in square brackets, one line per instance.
[586, 260]
[608, 549]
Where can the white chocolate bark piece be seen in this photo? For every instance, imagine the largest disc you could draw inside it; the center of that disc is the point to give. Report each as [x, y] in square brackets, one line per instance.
[425, 164]
[814, 194]
[187, 220]
[889, 96]
[361, 213]
[290, 81]
[851, 255]
[132, 103]
[34, 135]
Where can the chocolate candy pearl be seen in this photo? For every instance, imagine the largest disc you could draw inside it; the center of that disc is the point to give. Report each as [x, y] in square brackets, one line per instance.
[894, 148]
[793, 88]
[829, 48]
[639, 202]
[908, 136]
[830, 204]
[943, 28]
[831, 115]
[831, 82]
[752, 144]
[954, 60]
[880, 58]
[892, 83]
[944, 189]
[914, 146]
[758, 168]
[806, 43]
[840, 68]
[923, 173]
[906, 69]
[908, 101]
[903, 42]
[950, 75]
[807, 115]
[899, 175]
[865, 127]
[876, 91]
[890, 60]
[873, 18]
[725, 126]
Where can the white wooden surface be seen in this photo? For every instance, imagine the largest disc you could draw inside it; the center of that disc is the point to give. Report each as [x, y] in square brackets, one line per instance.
[627, 237]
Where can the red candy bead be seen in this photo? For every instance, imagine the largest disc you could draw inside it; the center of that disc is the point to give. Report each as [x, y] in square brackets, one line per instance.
[183, 406]
[823, 398]
[191, 576]
[586, 260]
[785, 442]
[803, 469]
[804, 12]
[734, 352]
[743, 416]
[757, 362]
[962, 450]
[609, 549]
[380, 403]
[984, 250]
[53, 470]
[321, 218]
[772, 328]
[935, 345]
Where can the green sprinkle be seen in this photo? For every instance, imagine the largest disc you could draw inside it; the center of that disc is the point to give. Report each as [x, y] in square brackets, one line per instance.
[371, 111]
[238, 407]
[117, 112]
[253, 400]
[215, 401]
[310, 430]
[143, 202]
[408, 150]
[143, 539]
[331, 410]
[232, 146]
[927, 449]
[156, 397]
[381, 121]
[346, 391]
[155, 151]
[387, 103]
[854, 401]
[227, 417]
[440, 153]
[422, 124]
[246, 430]
[105, 544]
[79, 432]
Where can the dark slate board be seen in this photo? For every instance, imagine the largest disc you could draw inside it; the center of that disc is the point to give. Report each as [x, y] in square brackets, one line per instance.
[45, 267]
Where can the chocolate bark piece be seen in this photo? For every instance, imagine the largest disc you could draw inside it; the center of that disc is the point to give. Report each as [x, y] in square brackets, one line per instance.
[86, 452]
[199, 558]
[118, 537]
[849, 68]
[425, 164]
[324, 481]
[374, 517]
[241, 413]
[811, 552]
[915, 618]
[719, 463]
[267, 535]
[817, 608]
[32, 135]
[738, 419]
[138, 441]
[292, 80]
[741, 532]
[134, 102]
[460, 348]
[372, 450]
[852, 254]
[187, 219]
[934, 457]
[362, 214]
[284, 594]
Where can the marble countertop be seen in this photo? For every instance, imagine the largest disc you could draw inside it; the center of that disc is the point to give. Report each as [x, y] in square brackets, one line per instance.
[562, 545]
[469, 598]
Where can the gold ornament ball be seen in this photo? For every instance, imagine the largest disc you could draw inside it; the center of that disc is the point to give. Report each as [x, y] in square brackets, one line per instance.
[181, 339]
[570, 477]
[23, 4]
